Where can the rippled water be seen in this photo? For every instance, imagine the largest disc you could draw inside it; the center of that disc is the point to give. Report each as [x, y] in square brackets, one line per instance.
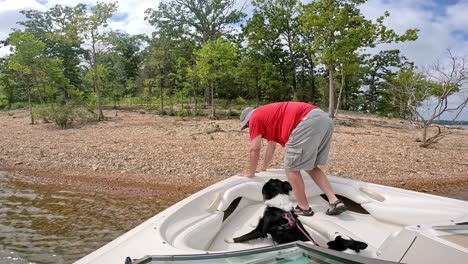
[40, 224]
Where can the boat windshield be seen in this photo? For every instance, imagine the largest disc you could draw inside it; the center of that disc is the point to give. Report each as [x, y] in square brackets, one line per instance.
[293, 253]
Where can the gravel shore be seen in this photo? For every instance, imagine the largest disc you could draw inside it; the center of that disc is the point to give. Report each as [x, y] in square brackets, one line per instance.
[140, 153]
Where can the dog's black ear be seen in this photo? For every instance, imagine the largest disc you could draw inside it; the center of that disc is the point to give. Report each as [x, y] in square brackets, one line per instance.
[339, 244]
[287, 187]
[358, 246]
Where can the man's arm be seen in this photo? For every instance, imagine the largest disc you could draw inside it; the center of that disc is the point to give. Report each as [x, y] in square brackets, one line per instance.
[270, 151]
[254, 155]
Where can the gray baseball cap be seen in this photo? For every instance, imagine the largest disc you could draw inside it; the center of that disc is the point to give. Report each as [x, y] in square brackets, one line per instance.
[245, 116]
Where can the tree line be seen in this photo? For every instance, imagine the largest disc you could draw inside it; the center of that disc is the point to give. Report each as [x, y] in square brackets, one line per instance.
[206, 52]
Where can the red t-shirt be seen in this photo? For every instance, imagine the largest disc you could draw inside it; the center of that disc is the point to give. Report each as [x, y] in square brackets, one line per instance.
[276, 121]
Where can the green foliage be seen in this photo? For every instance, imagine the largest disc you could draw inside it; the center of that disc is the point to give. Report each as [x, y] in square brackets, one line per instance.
[208, 19]
[376, 70]
[59, 29]
[19, 105]
[183, 112]
[216, 64]
[231, 113]
[3, 102]
[339, 30]
[194, 59]
[64, 116]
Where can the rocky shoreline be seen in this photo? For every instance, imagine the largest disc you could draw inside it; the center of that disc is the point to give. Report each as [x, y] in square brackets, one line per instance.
[141, 153]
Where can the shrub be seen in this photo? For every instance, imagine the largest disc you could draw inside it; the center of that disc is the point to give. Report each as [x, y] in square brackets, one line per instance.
[183, 113]
[64, 115]
[61, 115]
[232, 113]
[19, 105]
[199, 112]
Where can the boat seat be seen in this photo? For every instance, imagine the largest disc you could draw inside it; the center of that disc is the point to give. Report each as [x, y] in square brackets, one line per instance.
[327, 231]
[200, 234]
[249, 190]
[253, 191]
[392, 212]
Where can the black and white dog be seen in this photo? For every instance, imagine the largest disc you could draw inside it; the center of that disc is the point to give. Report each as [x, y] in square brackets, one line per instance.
[283, 225]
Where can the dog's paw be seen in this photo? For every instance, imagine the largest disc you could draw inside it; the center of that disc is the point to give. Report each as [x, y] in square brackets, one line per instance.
[229, 240]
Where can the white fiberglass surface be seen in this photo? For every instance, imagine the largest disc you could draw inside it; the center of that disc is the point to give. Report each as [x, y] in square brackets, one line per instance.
[321, 227]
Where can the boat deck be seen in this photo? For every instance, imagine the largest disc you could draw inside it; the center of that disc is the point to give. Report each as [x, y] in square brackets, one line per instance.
[322, 228]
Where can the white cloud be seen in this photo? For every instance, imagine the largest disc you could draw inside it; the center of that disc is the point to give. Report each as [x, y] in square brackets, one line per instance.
[436, 27]
[9, 15]
[13, 5]
[456, 15]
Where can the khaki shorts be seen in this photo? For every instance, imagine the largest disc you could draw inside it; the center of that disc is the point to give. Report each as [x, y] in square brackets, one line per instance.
[309, 142]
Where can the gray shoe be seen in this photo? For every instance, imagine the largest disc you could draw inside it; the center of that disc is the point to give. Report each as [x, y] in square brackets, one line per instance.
[335, 209]
[299, 211]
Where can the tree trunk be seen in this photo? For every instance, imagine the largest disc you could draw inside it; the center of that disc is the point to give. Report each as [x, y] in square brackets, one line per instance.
[28, 87]
[331, 100]
[40, 88]
[161, 84]
[213, 108]
[343, 76]
[96, 86]
[372, 96]
[424, 134]
[312, 83]
[208, 97]
[294, 81]
[257, 91]
[195, 101]
[63, 96]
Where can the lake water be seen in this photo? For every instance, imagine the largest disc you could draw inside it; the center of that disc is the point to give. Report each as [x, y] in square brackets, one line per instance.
[40, 224]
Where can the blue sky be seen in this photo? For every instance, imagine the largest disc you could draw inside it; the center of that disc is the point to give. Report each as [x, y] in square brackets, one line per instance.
[443, 23]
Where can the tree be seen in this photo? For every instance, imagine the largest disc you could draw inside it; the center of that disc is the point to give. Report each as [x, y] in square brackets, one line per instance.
[198, 20]
[8, 85]
[159, 62]
[193, 22]
[348, 68]
[94, 27]
[27, 57]
[339, 30]
[267, 57]
[59, 28]
[122, 61]
[425, 97]
[216, 62]
[445, 80]
[180, 80]
[377, 68]
[408, 90]
[281, 18]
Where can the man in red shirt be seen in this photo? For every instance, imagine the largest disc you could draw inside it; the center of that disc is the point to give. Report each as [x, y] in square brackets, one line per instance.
[306, 133]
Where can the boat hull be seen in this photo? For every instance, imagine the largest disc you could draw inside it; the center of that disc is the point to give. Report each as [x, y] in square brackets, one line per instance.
[394, 222]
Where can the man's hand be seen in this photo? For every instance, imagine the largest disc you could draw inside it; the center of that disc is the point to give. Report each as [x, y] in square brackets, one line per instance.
[246, 174]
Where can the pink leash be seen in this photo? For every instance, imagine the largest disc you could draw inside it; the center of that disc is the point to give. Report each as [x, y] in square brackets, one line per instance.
[292, 222]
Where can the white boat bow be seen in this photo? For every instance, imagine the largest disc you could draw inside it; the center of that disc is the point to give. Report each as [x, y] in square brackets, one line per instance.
[398, 225]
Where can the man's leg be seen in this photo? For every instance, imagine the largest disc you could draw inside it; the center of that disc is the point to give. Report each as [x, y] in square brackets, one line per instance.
[297, 184]
[321, 180]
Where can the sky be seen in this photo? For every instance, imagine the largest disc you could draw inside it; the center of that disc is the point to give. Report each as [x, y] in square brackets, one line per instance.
[443, 24]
